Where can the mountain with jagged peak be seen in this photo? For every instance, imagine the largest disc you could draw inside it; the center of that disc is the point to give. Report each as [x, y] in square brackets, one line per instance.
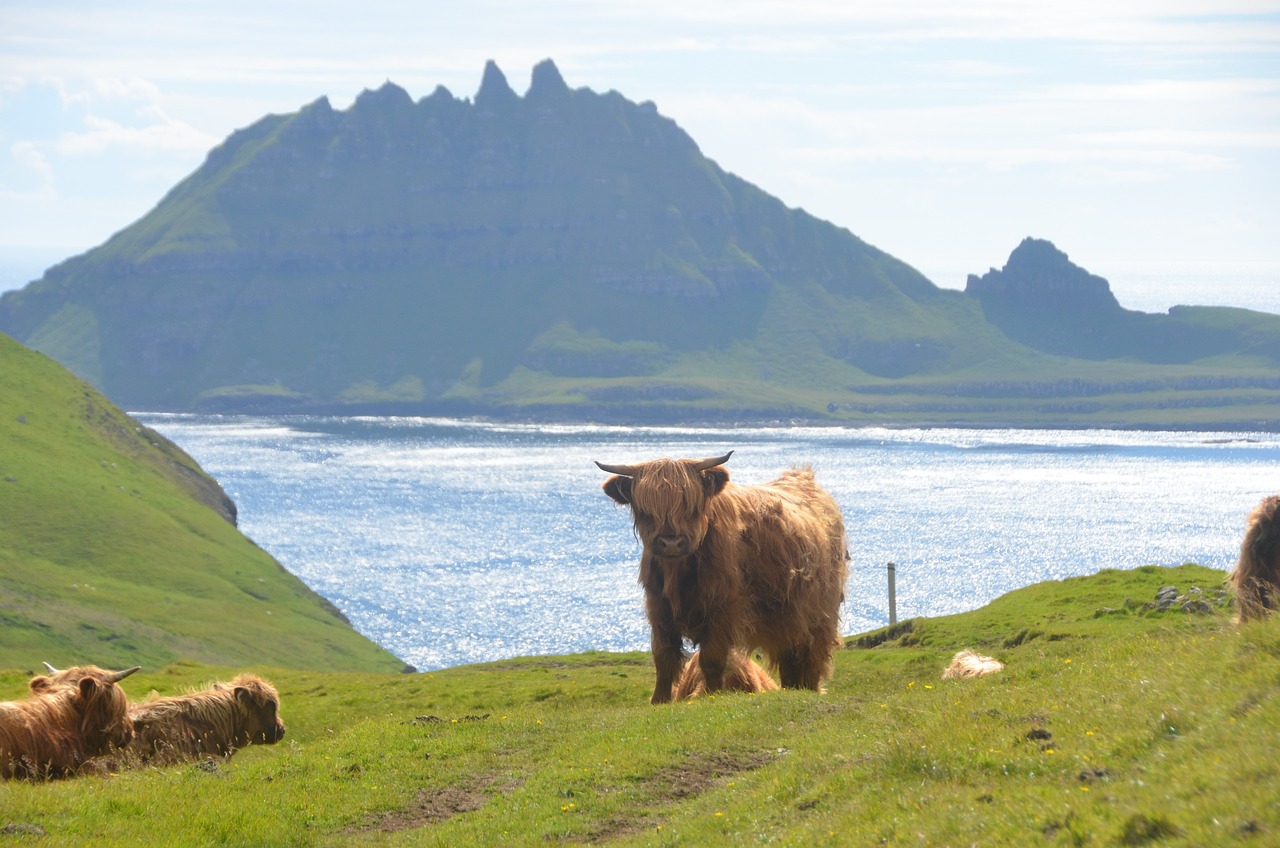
[561, 253]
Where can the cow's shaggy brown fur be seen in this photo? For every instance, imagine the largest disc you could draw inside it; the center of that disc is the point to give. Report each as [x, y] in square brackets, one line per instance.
[741, 674]
[756, 567]
[1256, 577]
[968, 664]
[216, 721]
[64, 723]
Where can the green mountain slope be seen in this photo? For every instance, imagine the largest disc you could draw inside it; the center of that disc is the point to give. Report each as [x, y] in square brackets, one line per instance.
[117, 549]
[563, 253]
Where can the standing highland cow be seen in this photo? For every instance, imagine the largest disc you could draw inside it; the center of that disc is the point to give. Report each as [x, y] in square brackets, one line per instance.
[215, 722]
[1257, 574]
[64, 723]
[755, 567]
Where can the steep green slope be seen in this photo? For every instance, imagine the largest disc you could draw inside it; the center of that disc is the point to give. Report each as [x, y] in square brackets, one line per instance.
[1111, 724]
[116, 549]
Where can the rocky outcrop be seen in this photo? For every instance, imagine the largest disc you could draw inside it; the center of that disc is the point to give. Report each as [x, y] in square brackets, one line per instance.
[1044, 301]
[1040, 278]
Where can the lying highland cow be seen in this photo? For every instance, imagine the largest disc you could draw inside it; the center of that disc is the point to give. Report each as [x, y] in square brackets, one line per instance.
[967, 664]
[65, 722]
[72, 676]
[754, 567]
[215, 722]
[1256, 577]
[741, 674]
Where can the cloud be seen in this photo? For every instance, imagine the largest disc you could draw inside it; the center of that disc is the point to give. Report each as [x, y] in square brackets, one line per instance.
[26, 174]
[826, 103]
[101, 134]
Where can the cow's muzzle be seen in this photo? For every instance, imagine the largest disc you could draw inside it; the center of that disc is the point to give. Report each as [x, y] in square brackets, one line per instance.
[669, 545]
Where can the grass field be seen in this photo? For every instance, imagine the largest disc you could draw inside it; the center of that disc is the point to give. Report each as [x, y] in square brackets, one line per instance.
[1112, 724]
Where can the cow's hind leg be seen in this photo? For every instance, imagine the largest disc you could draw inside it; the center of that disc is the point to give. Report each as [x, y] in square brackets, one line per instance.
[803, 667]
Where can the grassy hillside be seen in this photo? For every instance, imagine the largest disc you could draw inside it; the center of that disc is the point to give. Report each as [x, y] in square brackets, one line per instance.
[117, 549]
[1111, 725]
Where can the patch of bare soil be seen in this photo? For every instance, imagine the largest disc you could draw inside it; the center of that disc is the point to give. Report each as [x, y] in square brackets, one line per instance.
[696, 774]
[700, 772]
[435, 805]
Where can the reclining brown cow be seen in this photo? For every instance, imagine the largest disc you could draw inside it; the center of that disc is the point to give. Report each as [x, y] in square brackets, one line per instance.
[215, 722]
[69, 718]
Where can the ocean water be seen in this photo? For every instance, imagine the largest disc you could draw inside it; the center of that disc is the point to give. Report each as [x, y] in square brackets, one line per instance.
[450, 542]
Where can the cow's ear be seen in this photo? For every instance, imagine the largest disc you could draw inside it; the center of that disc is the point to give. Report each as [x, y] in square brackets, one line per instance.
[40, 684]
[618, 488]
[88, 687]
[244, 696]
[715, 479]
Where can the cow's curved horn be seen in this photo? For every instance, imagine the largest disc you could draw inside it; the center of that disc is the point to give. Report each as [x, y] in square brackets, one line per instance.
[121, 675]
[52, 670]
[712, 462]
[624, 470]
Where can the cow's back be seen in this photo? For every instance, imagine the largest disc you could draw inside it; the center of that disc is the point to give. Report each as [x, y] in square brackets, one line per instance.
[793, 560]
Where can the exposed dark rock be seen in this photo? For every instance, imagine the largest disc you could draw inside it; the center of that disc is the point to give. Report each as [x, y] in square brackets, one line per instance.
[1040, 277]
[546, 83]
[1043, 300]
[495, 91]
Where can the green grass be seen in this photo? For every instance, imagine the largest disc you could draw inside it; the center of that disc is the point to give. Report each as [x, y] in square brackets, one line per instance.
[1112, 724]
[110, 552]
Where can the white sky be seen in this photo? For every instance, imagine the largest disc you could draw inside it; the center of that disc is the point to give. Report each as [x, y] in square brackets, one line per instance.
[1131, 133]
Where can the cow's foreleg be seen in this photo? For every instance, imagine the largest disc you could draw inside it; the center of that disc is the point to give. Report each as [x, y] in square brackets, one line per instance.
[668, 649]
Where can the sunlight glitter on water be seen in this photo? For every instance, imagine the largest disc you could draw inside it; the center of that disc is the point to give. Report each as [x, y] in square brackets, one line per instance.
[454, 541]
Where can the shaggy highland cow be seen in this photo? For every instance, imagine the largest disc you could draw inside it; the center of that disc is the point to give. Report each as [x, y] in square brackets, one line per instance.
[72, 676]
[741, 674]
[1257, 574]
[754, 567]
[64, 723]
[215, 722]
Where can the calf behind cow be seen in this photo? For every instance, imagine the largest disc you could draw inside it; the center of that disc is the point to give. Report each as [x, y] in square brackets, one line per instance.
[215, 722]
[69, 718]
[741, 674]
[755, 567]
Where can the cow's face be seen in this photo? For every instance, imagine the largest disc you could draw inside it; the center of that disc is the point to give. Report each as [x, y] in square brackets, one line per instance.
[668, 500]
[100, 704]
[260, 708]
[94, 698]
[104, 714]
